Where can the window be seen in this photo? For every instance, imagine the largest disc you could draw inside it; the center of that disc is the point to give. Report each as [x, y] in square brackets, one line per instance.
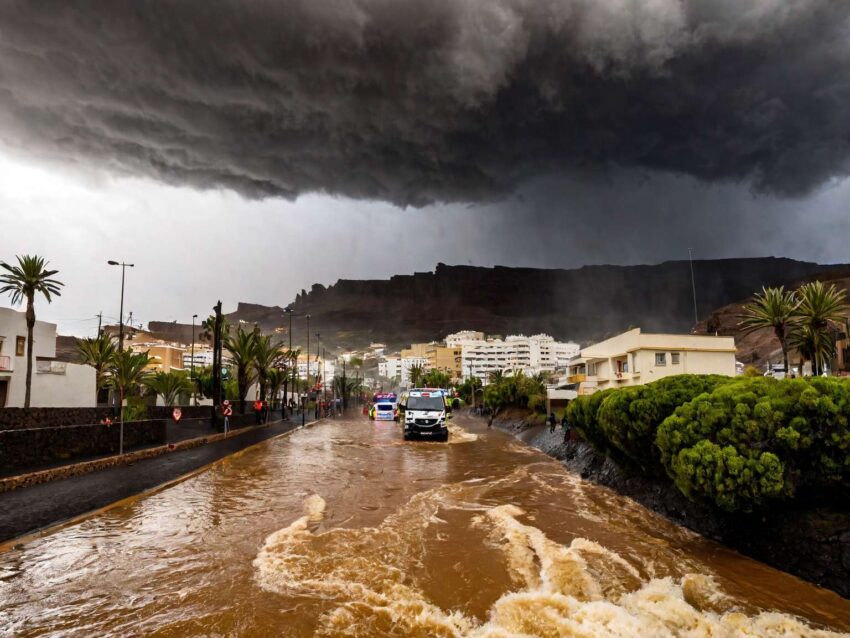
[661, 358]
[20, 346]
[674, 358]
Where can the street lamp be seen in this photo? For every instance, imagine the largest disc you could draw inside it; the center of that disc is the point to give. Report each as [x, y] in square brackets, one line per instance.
[304, 399]
[292, 373]
[192, 373]
[318, 369]
[124, 267]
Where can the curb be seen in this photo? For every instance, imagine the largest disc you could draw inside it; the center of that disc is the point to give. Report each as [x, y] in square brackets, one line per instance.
[85, 467]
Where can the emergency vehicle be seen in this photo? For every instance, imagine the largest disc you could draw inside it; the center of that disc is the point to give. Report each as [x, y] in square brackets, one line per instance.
[384, 407]
[424, 413]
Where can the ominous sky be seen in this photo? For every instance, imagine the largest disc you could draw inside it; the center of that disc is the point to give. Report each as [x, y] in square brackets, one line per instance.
[243, 150]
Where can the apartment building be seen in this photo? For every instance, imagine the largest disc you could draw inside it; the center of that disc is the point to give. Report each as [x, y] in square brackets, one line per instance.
[635, 358]
[446, 359]
[514, 353]
[57, 381]
[164, 357]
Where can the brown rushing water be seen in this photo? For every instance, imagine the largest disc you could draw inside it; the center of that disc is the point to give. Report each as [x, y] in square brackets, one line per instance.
[344, 529]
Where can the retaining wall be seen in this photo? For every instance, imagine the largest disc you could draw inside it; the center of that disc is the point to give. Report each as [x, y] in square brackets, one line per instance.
[35, 447]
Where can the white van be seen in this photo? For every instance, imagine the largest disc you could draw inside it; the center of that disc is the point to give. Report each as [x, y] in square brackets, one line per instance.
[424, 413]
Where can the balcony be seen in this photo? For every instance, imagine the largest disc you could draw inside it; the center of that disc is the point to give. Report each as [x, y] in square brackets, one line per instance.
[6, 364]
[576, 378]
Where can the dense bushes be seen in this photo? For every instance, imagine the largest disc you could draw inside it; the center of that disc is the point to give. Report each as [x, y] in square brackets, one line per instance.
[759, 439]
[517, 390]
[737, 443]
[628, 418]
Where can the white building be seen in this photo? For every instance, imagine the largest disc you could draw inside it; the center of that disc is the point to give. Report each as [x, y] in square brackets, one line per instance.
[515, 353]
[408, 363]
[458, 338]
[635, 358]
[55, 383]
[390, 367]
[203, 358]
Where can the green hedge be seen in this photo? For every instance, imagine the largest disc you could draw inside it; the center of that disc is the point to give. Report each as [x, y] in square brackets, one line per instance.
[629, 417]
[738, 443]
[756, 440]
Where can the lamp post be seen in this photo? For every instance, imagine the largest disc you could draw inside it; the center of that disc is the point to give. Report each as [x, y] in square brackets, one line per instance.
[304, 400]
[291, 370]
[192, 373]
[124, 267]
[318, 346]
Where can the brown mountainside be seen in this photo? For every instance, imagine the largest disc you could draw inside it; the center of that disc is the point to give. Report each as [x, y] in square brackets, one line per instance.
[584, 304]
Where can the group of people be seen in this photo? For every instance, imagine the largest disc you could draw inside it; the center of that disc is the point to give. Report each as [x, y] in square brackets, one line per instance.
[553, 423]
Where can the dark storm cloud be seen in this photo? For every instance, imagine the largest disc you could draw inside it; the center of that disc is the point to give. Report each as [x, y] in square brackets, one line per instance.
[413, 101]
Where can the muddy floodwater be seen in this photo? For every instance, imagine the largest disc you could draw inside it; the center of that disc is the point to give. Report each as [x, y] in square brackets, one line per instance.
[344, 529]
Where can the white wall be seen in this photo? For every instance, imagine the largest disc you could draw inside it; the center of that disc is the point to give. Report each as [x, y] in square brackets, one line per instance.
[74, 389]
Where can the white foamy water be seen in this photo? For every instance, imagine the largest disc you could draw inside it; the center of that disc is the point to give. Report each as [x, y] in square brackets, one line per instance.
[369, 578]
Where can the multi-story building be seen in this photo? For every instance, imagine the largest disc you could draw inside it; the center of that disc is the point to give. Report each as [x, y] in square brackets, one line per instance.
[57, 381]
[635, 358]
[389, 368]
[164, 357]
[203, 358]
[515, 353]
[445, 359]
[458, 338]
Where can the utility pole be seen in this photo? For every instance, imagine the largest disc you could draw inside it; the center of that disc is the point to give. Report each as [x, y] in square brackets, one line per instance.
[344, 388]
[318, 370]
[192, 373]
[217, 356]
[693, 286]
[99, 322]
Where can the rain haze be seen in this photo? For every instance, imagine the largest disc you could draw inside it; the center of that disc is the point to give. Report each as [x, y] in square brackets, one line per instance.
[244, 151]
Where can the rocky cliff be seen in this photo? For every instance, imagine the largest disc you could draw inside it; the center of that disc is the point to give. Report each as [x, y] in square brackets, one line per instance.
[584, 304]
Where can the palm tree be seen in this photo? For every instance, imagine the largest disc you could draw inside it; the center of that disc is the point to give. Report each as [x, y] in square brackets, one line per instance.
[774, 308]
[208, 328]
[291, 367]
[97, 352]
[127, 371]
[23, 281]
[266, 356]
[241, 347]
[417, 372]
[820, 308]
[170, 385]
[276, 378]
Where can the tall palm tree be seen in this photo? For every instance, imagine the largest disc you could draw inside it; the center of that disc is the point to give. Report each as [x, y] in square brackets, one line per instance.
[773, 308]
[290, 366]
[276, 378]
[23, 281]
[97, 352]
[241, 347]
[170, 385]
[208, 328]
[820, 308]
[267, 354]
[127, 371]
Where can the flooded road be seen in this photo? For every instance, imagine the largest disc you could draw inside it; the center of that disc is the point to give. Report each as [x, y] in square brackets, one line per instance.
[345, 530]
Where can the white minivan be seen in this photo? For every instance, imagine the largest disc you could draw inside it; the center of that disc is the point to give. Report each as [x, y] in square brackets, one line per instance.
[424, 414]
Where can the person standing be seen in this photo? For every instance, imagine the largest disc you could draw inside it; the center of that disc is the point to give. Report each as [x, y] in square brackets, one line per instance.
[552, 422]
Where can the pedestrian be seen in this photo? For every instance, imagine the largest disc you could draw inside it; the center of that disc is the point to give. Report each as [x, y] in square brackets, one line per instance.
[552, 422]
[566, 425]
[258, 411]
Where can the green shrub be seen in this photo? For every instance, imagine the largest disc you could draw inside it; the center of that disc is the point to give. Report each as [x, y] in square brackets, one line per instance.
[629, 417]
[582, 415]
[759, 439]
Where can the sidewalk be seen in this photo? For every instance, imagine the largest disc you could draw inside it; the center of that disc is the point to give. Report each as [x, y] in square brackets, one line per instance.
[28, 509]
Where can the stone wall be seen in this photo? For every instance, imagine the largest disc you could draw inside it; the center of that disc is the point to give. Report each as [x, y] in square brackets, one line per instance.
[15, 418]
[189, 411]
[36, 447]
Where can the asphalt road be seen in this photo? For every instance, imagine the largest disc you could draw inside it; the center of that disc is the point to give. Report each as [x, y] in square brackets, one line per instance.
[26, 510]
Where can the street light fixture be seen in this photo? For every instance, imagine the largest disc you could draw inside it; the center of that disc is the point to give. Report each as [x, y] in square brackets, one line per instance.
[124, 267]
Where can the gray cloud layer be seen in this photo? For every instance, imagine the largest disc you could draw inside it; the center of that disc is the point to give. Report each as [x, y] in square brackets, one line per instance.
[413, 101]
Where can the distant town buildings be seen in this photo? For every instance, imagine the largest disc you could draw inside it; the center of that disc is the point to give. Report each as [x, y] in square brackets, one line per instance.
[471, 353]
[635, 358]
[57, 380]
